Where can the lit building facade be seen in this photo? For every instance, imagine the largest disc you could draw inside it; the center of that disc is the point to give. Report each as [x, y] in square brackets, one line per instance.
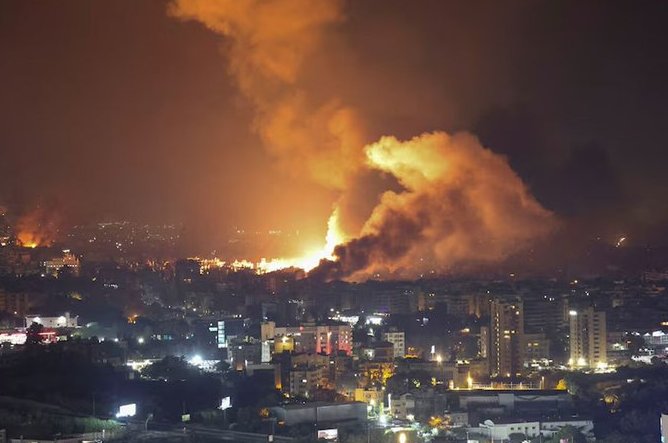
[304, 380]
[588, 338]
[61, 321]
[506, 351]
[398, 340]
[319, 339]
[67, 261]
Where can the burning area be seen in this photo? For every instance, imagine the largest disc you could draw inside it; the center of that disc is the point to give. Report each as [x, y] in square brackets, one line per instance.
[38, 227]
[453, 203]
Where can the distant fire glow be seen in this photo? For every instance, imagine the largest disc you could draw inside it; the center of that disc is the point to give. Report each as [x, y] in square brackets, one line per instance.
[459, 204]
[311, 258]
[308, 261]
[27, 240]
[37, 228]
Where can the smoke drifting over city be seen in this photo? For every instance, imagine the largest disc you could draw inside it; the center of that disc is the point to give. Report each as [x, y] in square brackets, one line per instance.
[351, 221]
[245, 125]
[267, 44]
[459, 203]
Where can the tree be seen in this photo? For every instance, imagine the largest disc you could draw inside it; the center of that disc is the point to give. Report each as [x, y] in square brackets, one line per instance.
[170, 368]
[34, 334]
[222, 366]
[406, 381]
[569, 433]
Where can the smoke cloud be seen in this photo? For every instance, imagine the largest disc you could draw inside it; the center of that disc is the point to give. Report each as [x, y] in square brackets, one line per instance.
[269, 40]
[38, 227]
[461, 205]
[449, 201]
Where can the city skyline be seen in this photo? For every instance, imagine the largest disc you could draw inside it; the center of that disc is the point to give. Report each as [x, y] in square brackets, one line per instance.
[166, 130]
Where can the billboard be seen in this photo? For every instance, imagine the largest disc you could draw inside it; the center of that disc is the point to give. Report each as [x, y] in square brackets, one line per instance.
[328, 434]
[128, 410]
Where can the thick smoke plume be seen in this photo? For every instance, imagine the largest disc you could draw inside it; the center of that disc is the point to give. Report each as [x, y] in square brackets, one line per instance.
[461, 204]
[269, 41]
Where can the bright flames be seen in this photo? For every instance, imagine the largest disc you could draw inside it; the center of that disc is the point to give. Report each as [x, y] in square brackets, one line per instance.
[309, 260]
[28, 239]
[457, 204]
[37, 227]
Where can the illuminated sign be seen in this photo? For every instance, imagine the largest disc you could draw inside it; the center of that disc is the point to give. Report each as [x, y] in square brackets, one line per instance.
[127, 410]
[328, 434]
[225, 403]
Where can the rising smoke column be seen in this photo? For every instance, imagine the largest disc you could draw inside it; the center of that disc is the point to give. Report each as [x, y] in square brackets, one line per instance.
[461, 204]
[268, 42]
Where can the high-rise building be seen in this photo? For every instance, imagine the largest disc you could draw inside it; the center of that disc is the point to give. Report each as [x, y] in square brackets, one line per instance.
[398, 340]
[588, 338]
[506, 351]
[545, 313]
[483, 349]
[536, 348]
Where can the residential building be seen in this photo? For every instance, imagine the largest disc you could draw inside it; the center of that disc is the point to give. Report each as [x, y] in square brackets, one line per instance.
[536, 348]
[67, 261]
[401, 407]
[588, 338]
[61, 321]
[311, 338]
[398, 339]
[506, 338]
[304, 380]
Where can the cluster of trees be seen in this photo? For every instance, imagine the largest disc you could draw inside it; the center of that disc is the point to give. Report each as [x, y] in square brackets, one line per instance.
[35, 420]
[70, 379]
[406, 381]
[626, 405]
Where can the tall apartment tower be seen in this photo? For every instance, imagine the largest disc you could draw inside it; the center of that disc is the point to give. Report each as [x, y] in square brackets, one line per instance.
[483, 345]
[588, 338]
[398, 340]
[506, 352]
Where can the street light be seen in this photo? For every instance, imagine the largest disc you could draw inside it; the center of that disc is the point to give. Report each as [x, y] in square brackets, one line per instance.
[150, 416]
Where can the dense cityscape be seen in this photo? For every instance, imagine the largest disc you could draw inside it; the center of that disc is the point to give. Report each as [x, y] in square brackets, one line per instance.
[345, 221]
[200, 348]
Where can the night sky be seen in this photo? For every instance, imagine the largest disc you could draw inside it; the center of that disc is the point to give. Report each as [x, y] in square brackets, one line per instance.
[116, 109]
